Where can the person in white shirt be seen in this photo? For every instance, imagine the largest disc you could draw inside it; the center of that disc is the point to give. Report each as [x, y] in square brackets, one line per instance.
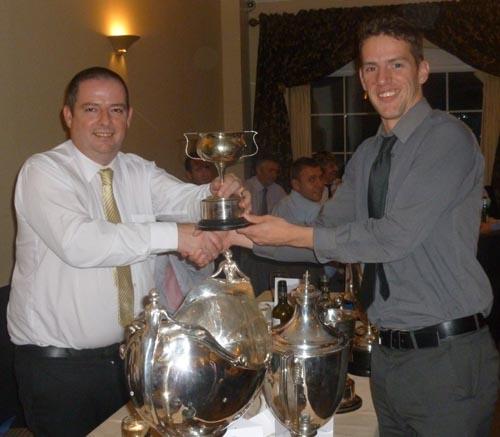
[263, 187]
[331, 179]
[69, 302]
[266, 193]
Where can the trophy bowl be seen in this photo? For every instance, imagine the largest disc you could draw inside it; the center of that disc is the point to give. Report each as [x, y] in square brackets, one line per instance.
[194, 373]
[222, 149]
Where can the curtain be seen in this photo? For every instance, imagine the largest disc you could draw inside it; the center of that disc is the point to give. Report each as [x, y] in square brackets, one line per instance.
[490, 127]
[299, 109]
[296, 49]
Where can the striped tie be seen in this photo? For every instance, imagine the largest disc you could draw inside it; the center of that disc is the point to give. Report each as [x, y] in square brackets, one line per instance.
[122, 274]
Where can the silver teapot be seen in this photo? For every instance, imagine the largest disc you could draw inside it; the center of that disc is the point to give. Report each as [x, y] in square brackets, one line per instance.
[196, 372]
[305, 380]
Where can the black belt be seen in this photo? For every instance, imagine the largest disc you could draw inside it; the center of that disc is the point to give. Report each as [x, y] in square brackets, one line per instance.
[62, 352]
[430, 335]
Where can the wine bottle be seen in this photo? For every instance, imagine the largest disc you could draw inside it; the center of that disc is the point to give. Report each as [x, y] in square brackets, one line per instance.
[283, 311]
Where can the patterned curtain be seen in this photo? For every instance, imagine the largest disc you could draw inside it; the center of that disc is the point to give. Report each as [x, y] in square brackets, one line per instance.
[296, 49]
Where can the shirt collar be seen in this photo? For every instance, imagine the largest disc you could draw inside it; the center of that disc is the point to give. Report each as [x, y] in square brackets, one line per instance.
[91, 168]
[409, 121]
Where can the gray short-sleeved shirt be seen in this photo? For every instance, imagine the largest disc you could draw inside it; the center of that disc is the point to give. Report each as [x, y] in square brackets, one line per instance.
[427, 238]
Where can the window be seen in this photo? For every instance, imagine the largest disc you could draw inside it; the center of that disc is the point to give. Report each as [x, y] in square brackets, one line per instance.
[341, 119]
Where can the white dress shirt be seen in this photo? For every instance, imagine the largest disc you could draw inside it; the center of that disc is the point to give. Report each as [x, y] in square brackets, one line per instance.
[275, 193]
[63, 291]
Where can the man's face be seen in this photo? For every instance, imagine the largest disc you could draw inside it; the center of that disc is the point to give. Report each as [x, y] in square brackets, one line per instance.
[391, 77]
[330, 171]
[310, 183]
[267, 172]
[202, 172]
[99, 121]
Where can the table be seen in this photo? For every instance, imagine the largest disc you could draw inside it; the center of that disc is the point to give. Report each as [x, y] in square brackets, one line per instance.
[359, 423]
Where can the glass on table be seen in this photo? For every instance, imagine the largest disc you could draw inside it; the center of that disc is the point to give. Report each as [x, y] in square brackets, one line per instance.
[134, 426]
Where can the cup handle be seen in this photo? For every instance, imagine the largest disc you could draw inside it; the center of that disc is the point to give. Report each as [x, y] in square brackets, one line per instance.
[186, 135]
[253, 140]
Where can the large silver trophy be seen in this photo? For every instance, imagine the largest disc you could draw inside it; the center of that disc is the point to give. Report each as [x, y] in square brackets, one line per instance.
[306, 378]
[196, 372]
[222, 149]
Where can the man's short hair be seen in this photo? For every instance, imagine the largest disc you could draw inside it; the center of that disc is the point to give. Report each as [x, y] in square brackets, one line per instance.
[299, 164]
[71, 93]
[396, 27]
[265, 158]
[323, 157]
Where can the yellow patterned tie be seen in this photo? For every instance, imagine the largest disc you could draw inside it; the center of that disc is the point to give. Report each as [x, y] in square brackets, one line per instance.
[122, 274]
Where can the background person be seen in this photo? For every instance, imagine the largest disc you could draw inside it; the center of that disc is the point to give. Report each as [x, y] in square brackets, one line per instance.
[331, 178]
[85, 249]
[199, 172]
[302, 207]
[409, 208]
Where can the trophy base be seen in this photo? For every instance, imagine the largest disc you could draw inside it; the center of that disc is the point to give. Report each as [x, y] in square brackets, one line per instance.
[352, 405]
[222, 225]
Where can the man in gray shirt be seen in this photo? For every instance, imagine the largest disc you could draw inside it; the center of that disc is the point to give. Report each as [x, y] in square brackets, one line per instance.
[409, 208]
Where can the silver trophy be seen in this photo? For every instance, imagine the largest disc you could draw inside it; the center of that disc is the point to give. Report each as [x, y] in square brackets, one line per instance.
[222, 149]
[194, 373]
[305, 381]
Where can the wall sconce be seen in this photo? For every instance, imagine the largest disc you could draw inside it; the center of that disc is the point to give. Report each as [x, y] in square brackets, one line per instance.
[121, 43]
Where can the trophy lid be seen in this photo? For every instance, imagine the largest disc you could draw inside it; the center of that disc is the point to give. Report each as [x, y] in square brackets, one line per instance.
[304, 334]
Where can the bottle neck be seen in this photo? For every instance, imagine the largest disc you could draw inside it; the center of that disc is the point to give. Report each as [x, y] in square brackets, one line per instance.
[282, 296]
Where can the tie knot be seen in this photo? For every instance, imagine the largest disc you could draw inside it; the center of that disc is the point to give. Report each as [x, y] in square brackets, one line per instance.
[106, 176]
[388, 142]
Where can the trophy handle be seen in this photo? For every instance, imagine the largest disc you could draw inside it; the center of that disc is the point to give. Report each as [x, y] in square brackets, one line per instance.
[253, 140]
[186, 135]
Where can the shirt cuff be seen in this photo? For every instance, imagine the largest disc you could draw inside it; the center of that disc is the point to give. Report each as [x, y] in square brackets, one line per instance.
[164, 237]
[324, 244]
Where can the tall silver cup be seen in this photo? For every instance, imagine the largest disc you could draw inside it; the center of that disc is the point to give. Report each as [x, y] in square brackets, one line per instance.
[222, 149]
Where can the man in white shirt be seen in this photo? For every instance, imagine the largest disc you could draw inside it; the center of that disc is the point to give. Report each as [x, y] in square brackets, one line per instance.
[266, 193]
[331, 179]
[80, 274]
[263, 187]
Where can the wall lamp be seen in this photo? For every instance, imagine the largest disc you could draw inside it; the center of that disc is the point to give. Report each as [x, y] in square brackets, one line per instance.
[121, 43]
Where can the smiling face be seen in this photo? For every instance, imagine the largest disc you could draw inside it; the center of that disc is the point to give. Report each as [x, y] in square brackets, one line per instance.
[99, 120]
[309, 183]
[390, 75]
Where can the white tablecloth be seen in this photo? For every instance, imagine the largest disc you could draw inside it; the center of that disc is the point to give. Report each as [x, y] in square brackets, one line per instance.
[359, 423]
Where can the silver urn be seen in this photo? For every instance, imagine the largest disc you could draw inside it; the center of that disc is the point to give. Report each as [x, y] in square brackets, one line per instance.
[305, 380]
[196, 372]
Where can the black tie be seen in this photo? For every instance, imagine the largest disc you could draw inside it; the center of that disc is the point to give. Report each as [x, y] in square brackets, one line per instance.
[329, 186]
[377, 191]
[263, 207]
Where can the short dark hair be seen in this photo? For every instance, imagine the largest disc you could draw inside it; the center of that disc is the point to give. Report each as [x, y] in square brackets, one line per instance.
[323, 157]
[264, 158]
[299, 164]
[396, 27]
[89, 74]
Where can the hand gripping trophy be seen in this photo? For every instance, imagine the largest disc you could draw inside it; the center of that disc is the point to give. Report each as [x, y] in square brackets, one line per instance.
[222, 149]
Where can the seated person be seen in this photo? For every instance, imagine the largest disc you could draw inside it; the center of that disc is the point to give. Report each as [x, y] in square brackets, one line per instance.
[265, 194]
[331, 174]
[302, 207]
[199, 172]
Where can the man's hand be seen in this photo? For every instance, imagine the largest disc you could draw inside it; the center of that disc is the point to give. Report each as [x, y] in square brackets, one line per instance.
[232, 185]
[200, 247]
[268, 230]
[232, 238]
